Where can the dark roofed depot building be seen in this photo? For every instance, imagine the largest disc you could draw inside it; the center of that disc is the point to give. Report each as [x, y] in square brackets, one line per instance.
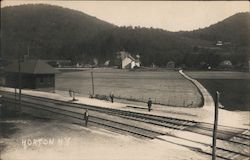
[35, 74]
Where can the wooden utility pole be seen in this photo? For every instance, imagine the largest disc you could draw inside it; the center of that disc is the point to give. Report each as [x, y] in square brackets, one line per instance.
[19, 83]
[28, 51]
[15, 97]
[216, 108]
[93, 89]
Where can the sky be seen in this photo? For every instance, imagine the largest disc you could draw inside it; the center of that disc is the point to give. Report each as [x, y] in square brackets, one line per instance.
[168, 15]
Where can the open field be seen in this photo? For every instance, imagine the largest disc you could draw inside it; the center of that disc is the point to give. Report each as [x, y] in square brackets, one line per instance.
[233, 86]
[165, 87]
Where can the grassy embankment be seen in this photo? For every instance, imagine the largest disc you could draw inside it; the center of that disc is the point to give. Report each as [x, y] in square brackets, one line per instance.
[233, 86]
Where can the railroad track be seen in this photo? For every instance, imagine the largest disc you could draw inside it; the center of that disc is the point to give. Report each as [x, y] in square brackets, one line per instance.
[94, 119]
[225, 154]
[160, 120]
[167, 122]
[174, 123]
[241, 138]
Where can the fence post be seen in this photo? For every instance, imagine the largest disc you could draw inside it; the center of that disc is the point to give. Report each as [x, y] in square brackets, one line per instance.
[215, 124]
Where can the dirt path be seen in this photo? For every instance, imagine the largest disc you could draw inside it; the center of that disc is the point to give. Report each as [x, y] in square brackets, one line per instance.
[207, 98]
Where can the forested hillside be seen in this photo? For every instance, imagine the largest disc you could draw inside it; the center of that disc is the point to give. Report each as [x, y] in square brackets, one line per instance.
[234, 29]
[234, 32]
[49, 31]
[52, 32]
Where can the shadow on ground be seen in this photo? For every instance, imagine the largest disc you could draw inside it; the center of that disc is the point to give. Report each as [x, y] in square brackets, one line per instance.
[9, 121]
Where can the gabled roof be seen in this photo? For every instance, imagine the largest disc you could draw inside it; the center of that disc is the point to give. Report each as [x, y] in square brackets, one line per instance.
[124, 54]
[31, 67]
[132, 58]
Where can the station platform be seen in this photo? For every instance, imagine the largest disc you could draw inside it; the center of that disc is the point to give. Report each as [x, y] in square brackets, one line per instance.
[159, 110]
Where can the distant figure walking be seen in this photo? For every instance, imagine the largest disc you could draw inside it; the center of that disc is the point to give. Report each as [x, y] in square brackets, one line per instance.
[86, 117]
[112, 97]
[149, 104]
[72, 94]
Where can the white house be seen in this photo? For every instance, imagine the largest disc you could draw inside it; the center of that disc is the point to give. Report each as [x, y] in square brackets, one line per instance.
[219, 43]
[126, 61]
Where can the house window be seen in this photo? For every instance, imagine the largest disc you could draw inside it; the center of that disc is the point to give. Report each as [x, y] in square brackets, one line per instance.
[41, 80]
[49, 80]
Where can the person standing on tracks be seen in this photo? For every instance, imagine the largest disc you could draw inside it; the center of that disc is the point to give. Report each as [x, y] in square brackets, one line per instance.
[86, 117]
[112, 97]
[149, 104]
[70, 92]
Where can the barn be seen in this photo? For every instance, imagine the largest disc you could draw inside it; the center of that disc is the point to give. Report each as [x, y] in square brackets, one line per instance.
[35, 74]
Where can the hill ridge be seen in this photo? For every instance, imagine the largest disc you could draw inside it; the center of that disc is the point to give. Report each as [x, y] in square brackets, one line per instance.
[61, 33]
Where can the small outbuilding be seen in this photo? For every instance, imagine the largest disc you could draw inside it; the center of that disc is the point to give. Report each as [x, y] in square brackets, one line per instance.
[171, 64]
[219, 43]
[35, 74]
[226, 64]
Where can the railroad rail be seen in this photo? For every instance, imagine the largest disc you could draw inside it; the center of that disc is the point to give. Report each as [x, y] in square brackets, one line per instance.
[179, 124]
[96, 118]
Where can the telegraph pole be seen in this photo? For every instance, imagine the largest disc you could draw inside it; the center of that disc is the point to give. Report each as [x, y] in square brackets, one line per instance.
[216, 108]
[93, 89]
[19, 83]
[28, 50]
[15, 97]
